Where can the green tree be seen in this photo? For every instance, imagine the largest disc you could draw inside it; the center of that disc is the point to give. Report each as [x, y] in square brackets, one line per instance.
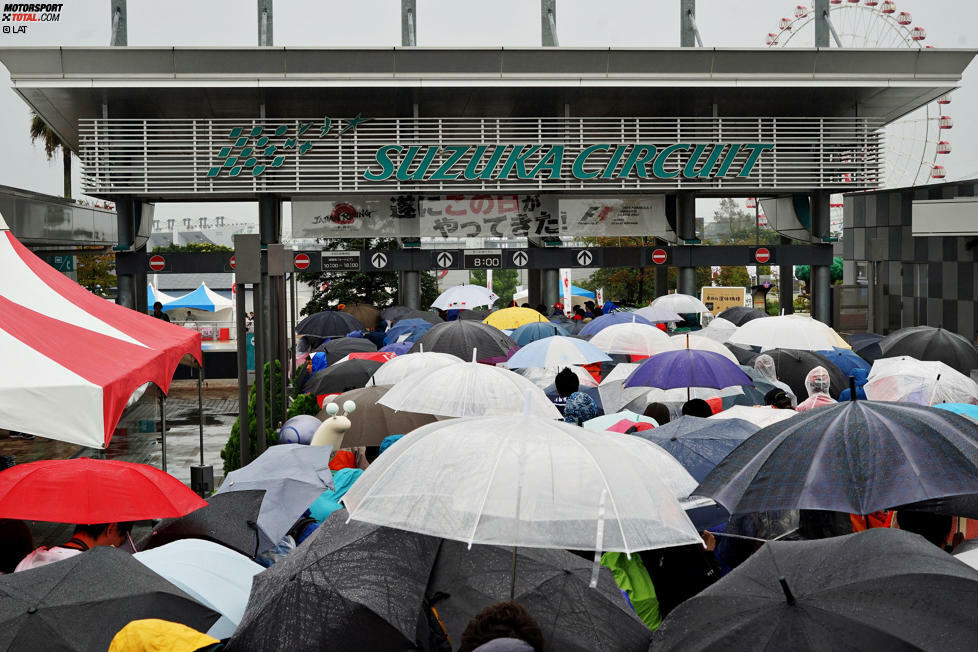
[40, 130]
[376, 288]
[733, 277]
[504, 283]
[804, 273]
[195, 248]
[741, 226]
[96, 272]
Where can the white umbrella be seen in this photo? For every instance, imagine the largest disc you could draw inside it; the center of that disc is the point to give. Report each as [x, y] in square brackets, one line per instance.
[788, 332]
[688, 341]
[681, 303]
[464, 296]
[468, 389]
[520, 480]
[543, 377]
[658, 314]
[719, 329]
[760, 416]
[911, 380]
[633, 339]
[556, 352]
[397, 369]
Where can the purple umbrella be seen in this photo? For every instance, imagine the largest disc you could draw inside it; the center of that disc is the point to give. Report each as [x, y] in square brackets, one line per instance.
[400, 348]
[687, 368]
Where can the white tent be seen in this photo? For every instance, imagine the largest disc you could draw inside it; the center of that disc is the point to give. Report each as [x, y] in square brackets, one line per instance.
[203, 304]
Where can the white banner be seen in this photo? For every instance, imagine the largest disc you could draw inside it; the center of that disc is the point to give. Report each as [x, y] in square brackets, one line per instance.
[614, 216]
[565, 289]
[363, 216]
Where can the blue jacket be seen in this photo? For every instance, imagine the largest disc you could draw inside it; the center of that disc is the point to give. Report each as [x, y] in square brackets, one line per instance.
[859, 375]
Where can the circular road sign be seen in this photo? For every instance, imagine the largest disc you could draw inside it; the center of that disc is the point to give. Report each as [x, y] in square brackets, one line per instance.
[762, 254]
[659, 256]
[232, 262]
[301, 261]
[156, 263]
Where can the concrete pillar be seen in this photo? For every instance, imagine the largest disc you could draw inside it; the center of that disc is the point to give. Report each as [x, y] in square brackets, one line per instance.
[821, 277]
[661, 273]
[126, 225]
[265, 12]
[548, 23]
[409, 23]
[821, 25]
[270, 232]
[119, 30]
[686, 230]
[550, 292]
[412, 289]
[687, 35]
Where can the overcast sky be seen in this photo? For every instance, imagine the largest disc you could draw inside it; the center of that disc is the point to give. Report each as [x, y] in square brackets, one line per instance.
[324, 23]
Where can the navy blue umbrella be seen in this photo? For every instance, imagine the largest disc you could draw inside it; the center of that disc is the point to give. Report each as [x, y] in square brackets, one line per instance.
[411, 326]
[537, 330]
[700, 444]
[855, 457]
[845, 360]
[687, 368]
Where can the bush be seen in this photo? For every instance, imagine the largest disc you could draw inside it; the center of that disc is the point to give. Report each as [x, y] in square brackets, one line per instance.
[232, 450]
[304, 404]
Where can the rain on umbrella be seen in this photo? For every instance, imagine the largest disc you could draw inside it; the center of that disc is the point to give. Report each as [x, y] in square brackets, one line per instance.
[598, 324]
[81, 602]
[915, 381]
[551, 584]
[330, 323]
[932, 344]
[396, 370]
[555, 353]
[879, 589]
[230, 519]
[372, 421]
[513, 318]
[719, 330]
[464, 296]
[350, 586]
[341, 377]
[460, 337]
[83, 490]
[468, 389]
[658, 314]
[537, 331]
[293, 476]
[699, 444]
[681, 303]
[856, 457]
[633, 339]
[687, 368]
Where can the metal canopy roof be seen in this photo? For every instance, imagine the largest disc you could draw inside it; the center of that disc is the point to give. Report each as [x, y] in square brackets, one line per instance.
[67, 84]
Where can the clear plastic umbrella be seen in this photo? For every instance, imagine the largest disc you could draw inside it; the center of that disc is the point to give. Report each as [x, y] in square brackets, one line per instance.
[719, 330]
[524, 481]
[464, 296]
[543, 377]
[788, 332]
[909, 380]
[681, 303]
[396, 370]
[556, 353]
[658, 314]
[633, 339]
[468, 389]
[760, 416]
[687, 341]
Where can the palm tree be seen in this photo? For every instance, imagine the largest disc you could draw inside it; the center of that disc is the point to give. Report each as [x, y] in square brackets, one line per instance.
[41, 130]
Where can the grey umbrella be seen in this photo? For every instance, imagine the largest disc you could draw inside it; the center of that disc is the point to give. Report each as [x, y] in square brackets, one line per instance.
[80, 603]
[341, 377]
[460, 337]
[230, 518]
[330, 323]
[929, 343]
[350, 586]
[551, 584]
[293, 476]
[699, 444]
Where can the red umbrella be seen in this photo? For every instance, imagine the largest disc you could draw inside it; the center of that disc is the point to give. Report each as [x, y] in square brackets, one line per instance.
[88, 491]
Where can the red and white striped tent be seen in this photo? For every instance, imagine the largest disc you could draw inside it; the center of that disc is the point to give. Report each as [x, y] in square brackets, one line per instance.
[69, 360]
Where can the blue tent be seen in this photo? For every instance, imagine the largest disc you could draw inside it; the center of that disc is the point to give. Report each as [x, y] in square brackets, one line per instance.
[203, 298]
[577, 292]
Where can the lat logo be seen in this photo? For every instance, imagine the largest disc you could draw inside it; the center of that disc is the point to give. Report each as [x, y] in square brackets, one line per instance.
[255, 150]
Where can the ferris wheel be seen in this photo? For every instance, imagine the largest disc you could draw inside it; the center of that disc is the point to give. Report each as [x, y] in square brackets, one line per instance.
[917, 142]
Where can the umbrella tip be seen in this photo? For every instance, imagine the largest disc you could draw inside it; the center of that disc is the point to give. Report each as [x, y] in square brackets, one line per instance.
[788, 596]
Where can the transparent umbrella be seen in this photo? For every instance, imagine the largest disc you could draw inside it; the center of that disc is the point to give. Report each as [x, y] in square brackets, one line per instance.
[555, 353]
[543, 377]
[658, 314]
[468, 389]
[464, 296]
[396, 370]
[681, 303]
[701, 343]
[525, 481]
[788, 332]
[633, 339]
[909, 380]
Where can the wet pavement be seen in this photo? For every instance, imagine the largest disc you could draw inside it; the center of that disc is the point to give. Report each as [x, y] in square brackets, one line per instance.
[137, 439]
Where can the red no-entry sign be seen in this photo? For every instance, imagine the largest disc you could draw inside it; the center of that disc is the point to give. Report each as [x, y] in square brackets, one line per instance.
[762, 255]
[232, 262]
[301, 261]
[659, 256]
[156, 263]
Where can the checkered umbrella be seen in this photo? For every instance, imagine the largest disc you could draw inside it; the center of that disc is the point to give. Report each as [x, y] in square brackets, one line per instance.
[856, 457]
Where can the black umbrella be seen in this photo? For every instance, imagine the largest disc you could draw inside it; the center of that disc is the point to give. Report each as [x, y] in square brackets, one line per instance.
[473, 315]
[965, 506]
[460, 337]
[793, 365]
[394, 313]
[856, 457]
[740, 315]
[861, 339]
[331, 323]
[341, 377]
[882, 589]
[934, 344]
[80, 603]
[743, 354]
[551, 584]
[429, 317]
[341, 347]
[230, 519]
[700, 444]
[350, 586]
